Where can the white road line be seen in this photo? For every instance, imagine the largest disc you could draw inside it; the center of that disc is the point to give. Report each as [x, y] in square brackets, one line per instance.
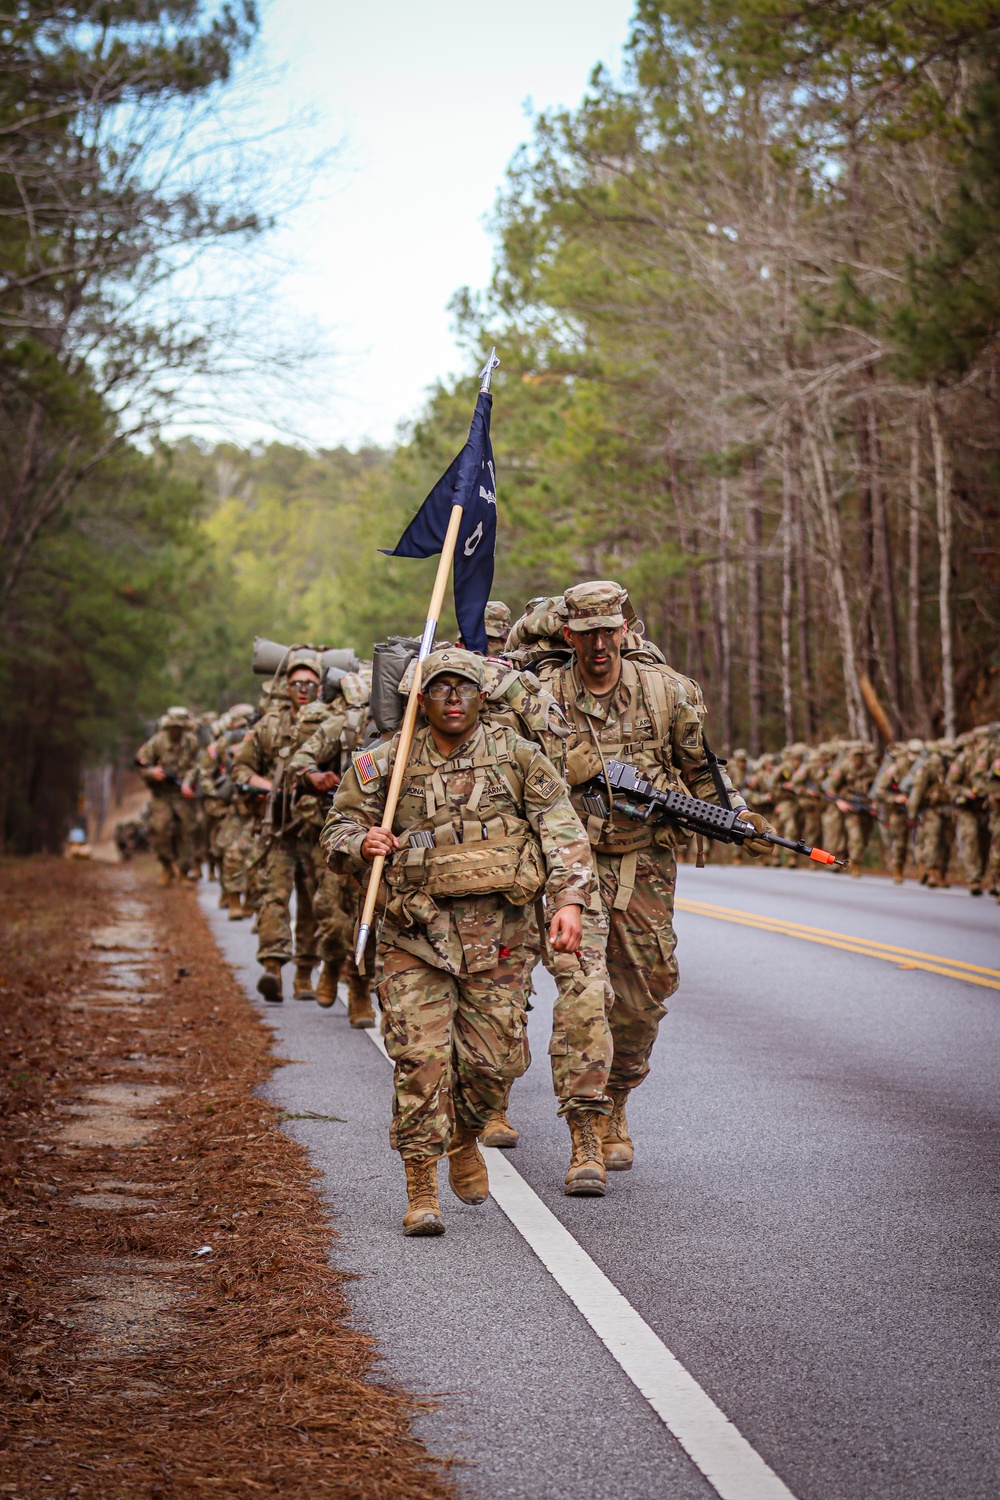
[733, 1469]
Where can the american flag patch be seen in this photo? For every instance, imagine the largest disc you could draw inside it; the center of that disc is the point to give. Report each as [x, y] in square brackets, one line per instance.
[365, 768]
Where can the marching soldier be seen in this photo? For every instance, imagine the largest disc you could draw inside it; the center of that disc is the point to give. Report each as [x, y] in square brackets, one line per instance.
[637, 709]
[890, 800]
[261, 762]
[316, 768]
[965, 782]
[483, 824]
[927, 805]
[848, 784]
[167, 762]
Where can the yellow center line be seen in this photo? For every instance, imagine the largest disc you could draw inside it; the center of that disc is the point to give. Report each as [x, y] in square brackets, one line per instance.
[907, 958]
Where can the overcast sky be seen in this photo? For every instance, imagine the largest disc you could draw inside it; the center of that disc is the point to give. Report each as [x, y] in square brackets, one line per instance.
[429, 102]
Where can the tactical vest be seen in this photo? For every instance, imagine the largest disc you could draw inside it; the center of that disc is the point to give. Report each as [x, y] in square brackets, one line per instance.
[610, 835]
[467, 845]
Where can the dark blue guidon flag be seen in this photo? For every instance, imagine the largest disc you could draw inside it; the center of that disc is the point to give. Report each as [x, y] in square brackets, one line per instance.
[469, 481]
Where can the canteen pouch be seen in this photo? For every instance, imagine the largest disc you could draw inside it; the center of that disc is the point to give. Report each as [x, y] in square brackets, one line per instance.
[511, 867]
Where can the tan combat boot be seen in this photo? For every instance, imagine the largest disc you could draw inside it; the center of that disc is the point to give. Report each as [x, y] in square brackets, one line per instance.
[234, 904]
[303, 986]
[586, 1175]
[616, 1144]
[269, 983]
[326, 987]
[897, 874]
[467, 1175]
[359, 1001]
[166, 874]
[499, 1132]
[423, 1215]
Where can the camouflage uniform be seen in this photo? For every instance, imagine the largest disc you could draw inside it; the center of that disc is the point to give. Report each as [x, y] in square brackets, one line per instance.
[496, 618]
[849, 780]
[807, 783]
[928, 805]
[452, 993]
[324, 750]
[886, 793]
[965, 782]
[991, 781]
[173, 817]
[290, 861]
[652, 719]
[785, 816]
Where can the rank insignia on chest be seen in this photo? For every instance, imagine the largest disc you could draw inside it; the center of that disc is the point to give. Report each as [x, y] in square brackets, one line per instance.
[365, 768]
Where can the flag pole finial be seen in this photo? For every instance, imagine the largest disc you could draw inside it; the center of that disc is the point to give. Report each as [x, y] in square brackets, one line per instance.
[486, 372]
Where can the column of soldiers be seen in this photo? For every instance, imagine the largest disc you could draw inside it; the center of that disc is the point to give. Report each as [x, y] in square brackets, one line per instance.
[495, 859]
[929, 799]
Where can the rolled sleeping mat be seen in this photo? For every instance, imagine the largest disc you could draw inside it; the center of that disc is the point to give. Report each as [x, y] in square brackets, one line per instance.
[342, 657]
[267, 656]
[389, 663]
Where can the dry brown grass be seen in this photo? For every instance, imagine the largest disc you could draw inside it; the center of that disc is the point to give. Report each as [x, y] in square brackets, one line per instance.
[127, 1367]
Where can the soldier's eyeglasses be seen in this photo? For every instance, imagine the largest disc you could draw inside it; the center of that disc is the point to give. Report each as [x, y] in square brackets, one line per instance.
[305, 686]
[442, 691]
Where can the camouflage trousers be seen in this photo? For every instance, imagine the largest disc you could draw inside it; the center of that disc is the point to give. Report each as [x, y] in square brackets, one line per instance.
[172, 822]
[580, 1047]
[786, 823]
[834, 830]
[236, 846]
[859, 831]
[894, 829]
[290, 864]
[641, 960]
[457, 1043]
[935, 835]
[993, 861]
[973, 834]
[334, 924]
[214, 815]
[811, 825]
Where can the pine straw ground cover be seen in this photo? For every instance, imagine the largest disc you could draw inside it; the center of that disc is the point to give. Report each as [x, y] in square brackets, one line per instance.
[132, 1137]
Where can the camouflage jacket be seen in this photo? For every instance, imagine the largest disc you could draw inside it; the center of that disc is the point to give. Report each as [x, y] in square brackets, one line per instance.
[178, 760]
[896, 762]
[493, 784]
[925, 783]
[653, 720]
[966, 779]
[268, 751]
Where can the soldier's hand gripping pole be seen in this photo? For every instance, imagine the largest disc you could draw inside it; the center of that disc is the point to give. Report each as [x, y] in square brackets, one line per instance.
[409, 723]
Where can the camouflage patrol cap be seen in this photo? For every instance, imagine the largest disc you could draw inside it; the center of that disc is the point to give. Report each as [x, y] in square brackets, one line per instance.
[589, 606]
[303, 657]
[497, 618]
[453, 659]
[177, 715]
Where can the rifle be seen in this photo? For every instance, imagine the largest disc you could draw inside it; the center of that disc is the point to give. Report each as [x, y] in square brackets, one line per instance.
[169, 778]
[641, 801]
[856, 802]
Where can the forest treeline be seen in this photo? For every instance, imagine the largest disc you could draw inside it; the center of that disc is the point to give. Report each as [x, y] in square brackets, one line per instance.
[747, 298]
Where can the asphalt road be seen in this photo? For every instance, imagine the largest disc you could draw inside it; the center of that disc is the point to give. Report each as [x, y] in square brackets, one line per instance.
[811, 1225]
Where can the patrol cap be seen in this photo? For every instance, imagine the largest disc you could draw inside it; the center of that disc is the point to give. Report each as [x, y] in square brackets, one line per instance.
[496, 618]
[456, 660]
[177, 715]
[303, 657]
[589, 606]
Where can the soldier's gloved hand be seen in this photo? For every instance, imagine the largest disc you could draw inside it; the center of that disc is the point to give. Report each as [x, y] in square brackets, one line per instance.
[582, 763]
[756, 847]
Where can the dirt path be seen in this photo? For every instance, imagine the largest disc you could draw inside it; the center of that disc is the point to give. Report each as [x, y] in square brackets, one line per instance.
[169, 1323]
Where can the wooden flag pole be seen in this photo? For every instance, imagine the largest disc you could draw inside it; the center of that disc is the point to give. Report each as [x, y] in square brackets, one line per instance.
[409, 722]
[410, 716]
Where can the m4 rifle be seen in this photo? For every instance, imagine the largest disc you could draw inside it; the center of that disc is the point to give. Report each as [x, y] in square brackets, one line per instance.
[638, 799]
